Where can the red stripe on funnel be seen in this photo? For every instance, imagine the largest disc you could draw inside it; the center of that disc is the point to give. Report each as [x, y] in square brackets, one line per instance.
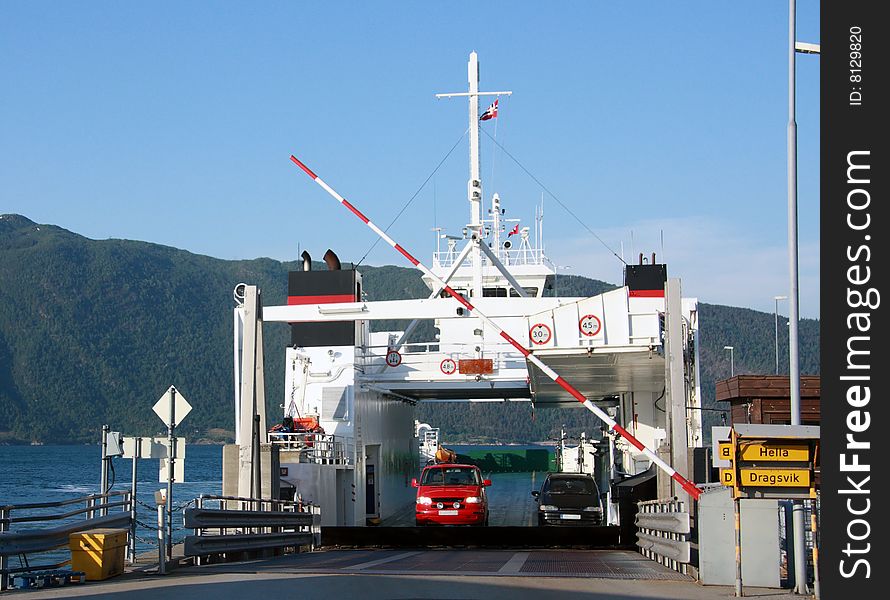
[321, 299]
[304, 167]
[646, 293]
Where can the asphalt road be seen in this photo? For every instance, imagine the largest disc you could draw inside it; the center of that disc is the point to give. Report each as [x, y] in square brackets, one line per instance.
[418, 574]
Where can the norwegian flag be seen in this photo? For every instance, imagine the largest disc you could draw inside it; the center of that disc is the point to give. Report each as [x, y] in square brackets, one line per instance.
[514, 231]
[491, 112]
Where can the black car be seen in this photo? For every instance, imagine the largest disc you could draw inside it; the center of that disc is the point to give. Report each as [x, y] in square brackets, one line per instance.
[569, 499]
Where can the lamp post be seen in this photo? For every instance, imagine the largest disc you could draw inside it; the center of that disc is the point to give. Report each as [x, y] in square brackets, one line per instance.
[800, 565]
[777, 298]
[731, 360]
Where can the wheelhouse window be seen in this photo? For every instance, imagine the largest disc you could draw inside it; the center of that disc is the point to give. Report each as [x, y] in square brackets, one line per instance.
[532, 292]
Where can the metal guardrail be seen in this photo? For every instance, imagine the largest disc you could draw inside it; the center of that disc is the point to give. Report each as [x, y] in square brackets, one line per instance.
[22, 542]
[247, 524]
[204, 518]
[662, 530]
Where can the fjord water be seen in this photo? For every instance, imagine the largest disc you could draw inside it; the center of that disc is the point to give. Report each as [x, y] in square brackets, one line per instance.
[31, 474]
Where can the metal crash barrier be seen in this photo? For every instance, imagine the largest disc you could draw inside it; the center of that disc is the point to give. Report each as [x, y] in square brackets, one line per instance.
[238, 525]
[94, 513]
[662, 530]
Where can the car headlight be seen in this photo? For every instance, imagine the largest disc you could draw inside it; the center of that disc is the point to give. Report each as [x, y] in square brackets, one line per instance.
[424, 500]
[593, 508]
[548, 507]
[473, 500]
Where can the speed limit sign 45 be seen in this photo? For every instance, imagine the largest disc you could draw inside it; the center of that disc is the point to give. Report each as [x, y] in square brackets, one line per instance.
[590, 325]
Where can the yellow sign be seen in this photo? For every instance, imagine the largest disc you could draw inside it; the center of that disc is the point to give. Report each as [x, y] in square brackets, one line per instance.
[727, 477]
[774, 452]
[725, 450]
[774, 477]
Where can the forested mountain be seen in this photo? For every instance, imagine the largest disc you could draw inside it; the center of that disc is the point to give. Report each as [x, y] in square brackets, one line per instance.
[94, 331]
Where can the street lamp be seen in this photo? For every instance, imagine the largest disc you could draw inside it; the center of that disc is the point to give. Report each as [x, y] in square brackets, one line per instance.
[731, 360]
[800, 563]
[777, 298]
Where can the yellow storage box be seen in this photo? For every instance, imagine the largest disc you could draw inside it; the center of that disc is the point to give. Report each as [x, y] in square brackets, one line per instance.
[99, 553]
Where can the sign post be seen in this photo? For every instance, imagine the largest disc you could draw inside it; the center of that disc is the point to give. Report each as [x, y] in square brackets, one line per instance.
[769, 461]
[132, 546]
[166, 408]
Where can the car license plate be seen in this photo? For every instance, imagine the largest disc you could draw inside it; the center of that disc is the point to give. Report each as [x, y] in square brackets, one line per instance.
[447, 512]
[571, 517]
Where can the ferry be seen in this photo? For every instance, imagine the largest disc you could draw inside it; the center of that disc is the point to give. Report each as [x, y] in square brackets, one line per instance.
[347, 439]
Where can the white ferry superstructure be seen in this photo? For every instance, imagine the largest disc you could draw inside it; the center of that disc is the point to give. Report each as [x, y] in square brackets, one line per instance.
[623, 350]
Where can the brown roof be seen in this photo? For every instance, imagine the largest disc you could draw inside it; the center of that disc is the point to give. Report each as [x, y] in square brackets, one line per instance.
[766, 386]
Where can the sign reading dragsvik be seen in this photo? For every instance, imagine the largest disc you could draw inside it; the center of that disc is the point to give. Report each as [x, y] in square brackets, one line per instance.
[770, 461]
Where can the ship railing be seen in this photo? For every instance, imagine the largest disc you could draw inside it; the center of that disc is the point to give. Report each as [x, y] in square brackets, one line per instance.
[91, 512]
[427, 356]
[429, 443]
[663, 529]
[511, 257]
[319, 448]
[224, 525]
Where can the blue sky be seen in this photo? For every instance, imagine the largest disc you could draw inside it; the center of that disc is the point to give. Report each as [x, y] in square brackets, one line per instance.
[172, 122]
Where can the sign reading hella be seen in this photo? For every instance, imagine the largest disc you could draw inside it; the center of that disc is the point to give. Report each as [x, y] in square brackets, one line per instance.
[774, 452]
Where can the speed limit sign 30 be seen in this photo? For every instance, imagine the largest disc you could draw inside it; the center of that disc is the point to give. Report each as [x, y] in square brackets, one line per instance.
[539, 334]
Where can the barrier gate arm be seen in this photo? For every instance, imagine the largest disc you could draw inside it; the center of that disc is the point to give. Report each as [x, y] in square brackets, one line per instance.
[687, 485]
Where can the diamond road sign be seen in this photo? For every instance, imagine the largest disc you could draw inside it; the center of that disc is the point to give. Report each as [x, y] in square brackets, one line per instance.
[162, 407]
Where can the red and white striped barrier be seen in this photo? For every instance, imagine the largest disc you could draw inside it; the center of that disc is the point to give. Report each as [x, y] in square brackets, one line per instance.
[687, 485]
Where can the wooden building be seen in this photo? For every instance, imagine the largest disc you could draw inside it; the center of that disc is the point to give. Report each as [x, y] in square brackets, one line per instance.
[767, 398]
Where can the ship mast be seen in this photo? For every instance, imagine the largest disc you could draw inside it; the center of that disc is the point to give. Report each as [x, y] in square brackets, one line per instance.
[474, 185]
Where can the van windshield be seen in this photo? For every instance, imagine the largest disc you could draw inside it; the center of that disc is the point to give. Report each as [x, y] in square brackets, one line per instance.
[451, 476]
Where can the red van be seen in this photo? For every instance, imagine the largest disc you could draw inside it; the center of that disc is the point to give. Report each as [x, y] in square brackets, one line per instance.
[451, 494]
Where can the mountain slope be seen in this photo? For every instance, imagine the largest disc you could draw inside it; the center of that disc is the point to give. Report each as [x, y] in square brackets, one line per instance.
[94, 331]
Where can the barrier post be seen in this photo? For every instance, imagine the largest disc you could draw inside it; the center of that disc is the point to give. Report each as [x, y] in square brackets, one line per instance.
[736, 502]
[162, 535]
[816, 591]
